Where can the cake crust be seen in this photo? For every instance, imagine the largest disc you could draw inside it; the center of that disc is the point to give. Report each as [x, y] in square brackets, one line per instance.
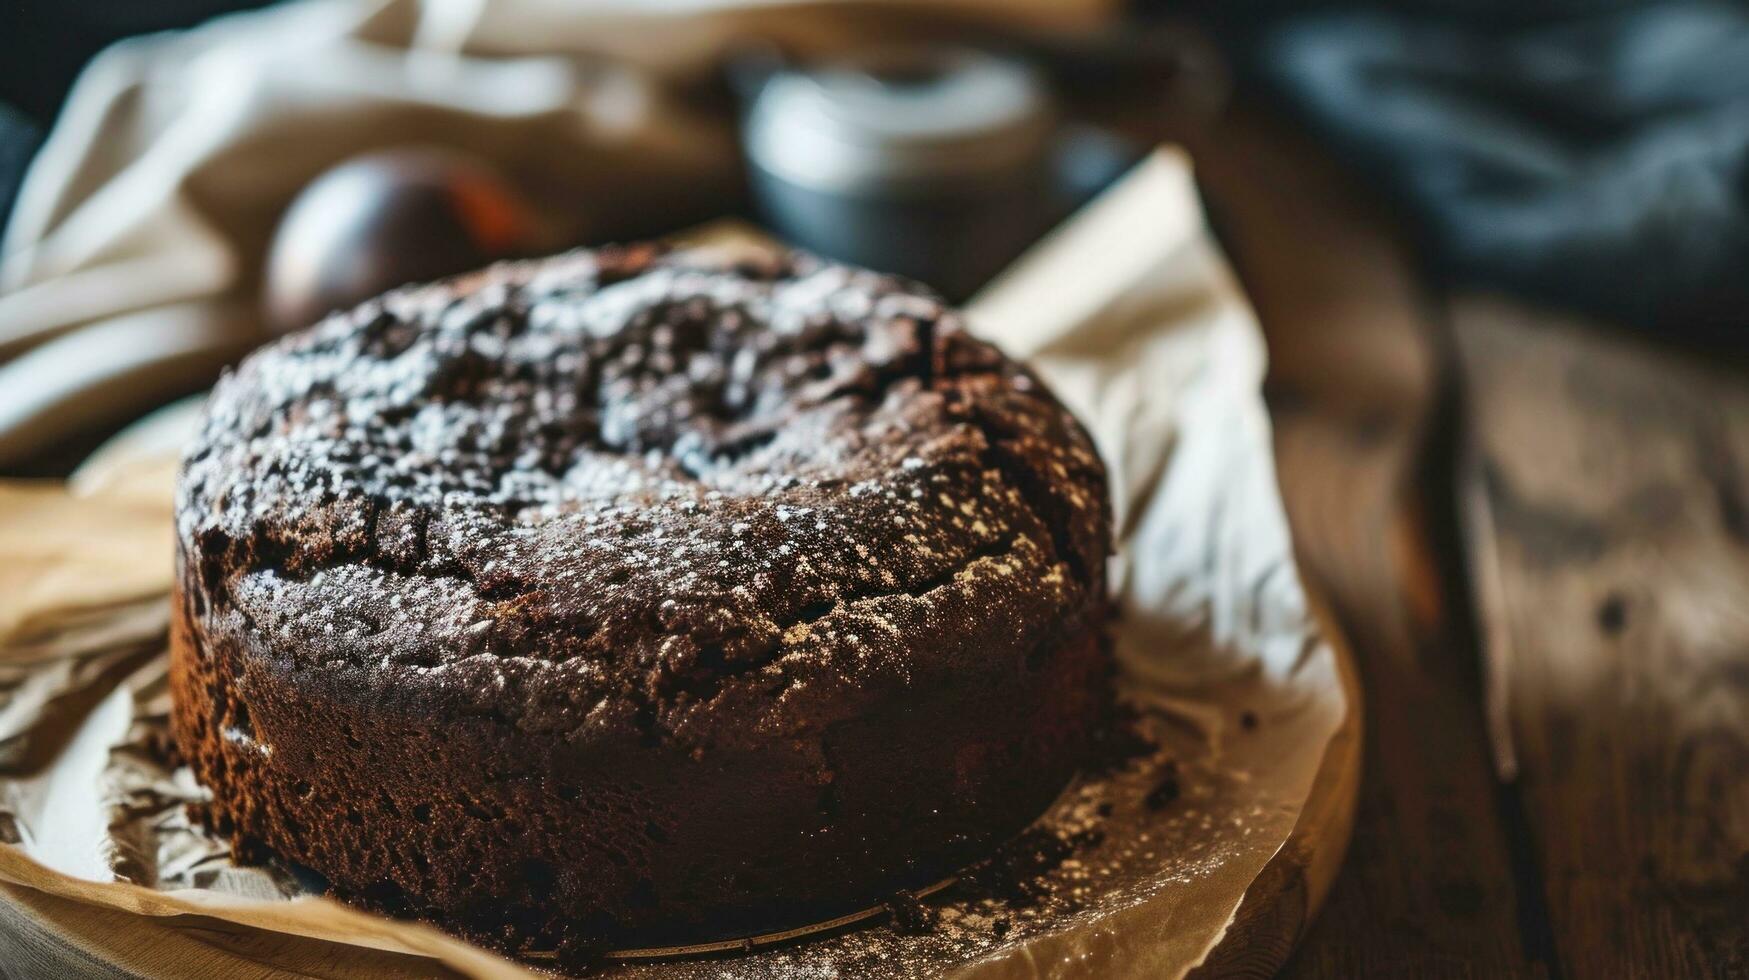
[636, 597]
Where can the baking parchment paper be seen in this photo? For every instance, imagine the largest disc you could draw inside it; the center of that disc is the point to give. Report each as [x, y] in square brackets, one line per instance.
[1131, 315]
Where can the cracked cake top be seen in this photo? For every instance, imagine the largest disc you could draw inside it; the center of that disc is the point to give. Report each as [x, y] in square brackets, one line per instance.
[632, 492]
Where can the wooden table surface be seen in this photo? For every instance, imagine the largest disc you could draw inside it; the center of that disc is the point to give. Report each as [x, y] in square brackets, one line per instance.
[1537, 533]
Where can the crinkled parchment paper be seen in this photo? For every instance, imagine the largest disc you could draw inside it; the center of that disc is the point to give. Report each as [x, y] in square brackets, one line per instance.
[1132, 316]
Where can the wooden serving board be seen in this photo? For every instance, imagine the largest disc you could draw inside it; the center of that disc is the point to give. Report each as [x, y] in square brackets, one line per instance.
[1281, 904]
[44, 935]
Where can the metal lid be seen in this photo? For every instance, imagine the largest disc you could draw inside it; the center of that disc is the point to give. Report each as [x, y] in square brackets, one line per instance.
[901, 116]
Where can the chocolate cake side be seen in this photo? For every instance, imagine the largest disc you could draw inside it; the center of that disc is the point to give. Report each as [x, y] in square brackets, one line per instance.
[623, 596]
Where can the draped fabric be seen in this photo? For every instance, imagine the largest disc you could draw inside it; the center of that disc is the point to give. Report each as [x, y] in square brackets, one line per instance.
[131, 262]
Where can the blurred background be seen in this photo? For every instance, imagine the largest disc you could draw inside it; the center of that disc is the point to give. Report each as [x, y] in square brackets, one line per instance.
[1500, 252]
[1587, 155]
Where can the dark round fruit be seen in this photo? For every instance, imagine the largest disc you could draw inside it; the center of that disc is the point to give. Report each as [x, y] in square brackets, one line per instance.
[385, 219]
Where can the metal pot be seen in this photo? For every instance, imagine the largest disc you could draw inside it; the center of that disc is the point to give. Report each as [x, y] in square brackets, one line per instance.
[934, 163]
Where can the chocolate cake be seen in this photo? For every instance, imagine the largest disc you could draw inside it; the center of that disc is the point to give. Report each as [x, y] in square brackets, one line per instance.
[636, 597]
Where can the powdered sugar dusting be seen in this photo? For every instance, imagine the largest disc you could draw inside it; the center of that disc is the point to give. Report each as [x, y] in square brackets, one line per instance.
[774, 480]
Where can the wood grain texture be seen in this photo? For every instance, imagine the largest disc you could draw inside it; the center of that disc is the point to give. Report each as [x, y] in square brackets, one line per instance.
[1616, 477]
[1356, 391]
[44, 936]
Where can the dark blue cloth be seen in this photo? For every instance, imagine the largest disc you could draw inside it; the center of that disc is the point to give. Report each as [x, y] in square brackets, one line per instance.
[1600, 163]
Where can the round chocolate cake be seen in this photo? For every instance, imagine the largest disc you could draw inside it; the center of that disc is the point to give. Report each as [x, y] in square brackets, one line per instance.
[636, 597]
